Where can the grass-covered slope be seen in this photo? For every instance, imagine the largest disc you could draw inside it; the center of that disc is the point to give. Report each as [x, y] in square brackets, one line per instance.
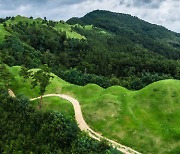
[25, 130]
[59, 26]
[62, 26]
[55, 104]
[146, 120]
[19, 18]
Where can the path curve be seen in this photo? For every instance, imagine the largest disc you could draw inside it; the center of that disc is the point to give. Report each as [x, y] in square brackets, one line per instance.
[84, 127]
[11, 93]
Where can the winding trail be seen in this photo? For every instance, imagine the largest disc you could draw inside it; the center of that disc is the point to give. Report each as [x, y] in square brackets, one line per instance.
[84, 127]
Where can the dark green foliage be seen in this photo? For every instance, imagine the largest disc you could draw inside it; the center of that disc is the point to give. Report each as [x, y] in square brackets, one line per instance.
[42, 78]
[82, 147]
[24, 130]
[106, 57]
[24, 72]
[152, 37]
[39, 78]
[15, 52]
[41, 37]
[5, 76]
[76, 77]
[2, 20]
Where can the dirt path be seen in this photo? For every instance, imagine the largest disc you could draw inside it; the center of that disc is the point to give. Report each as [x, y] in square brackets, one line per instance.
[84, 127]
[11, 93]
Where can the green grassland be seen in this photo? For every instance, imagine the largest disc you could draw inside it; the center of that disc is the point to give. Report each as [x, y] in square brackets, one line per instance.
[3, 33]
[91, 27]
[51, 104]
[60, 26]
[86, 27]
[64, 27]
[146, 120]
[19, 18]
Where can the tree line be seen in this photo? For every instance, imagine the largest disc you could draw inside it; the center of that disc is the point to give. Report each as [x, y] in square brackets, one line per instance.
[103, 59]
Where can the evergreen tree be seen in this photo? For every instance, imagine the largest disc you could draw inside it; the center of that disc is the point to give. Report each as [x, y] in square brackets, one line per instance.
[6, 77]
[39, 78]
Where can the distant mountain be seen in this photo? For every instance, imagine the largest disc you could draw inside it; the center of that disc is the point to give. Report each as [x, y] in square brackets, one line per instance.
[150, 36]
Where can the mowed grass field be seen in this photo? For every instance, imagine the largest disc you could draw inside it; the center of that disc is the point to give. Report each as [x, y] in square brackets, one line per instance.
[146, 120]
[55, 104]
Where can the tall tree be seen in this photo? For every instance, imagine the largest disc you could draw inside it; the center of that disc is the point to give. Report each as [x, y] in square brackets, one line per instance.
[24, 72]
[39, 78]
[5, 76]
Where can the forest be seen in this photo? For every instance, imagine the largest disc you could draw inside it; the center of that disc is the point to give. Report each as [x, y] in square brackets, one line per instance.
[26, 130]
[105, 57]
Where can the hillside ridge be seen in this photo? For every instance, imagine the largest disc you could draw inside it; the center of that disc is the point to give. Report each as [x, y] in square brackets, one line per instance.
[107, 108]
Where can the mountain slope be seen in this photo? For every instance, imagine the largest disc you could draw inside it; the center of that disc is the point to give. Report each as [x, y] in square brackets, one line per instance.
[88, 49]
[146, 120]
[64, 27]
[59, 26]
[152, 37]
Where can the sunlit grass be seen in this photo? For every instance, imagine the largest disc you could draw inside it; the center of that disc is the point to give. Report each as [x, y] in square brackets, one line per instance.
[146, 120]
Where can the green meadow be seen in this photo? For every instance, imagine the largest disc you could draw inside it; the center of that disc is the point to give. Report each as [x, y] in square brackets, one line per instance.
[55, 104]
[64, 27]
[146, 120]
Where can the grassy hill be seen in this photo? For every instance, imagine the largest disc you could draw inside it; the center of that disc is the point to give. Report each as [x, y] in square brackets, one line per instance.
[59, 26]
[146, 120]
[55, 104]
[19, 18]
[62, 26]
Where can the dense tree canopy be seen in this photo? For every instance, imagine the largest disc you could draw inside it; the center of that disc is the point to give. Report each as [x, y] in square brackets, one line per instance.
[133, 30]
[24, 130]
[5, 76]
[105, 57]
